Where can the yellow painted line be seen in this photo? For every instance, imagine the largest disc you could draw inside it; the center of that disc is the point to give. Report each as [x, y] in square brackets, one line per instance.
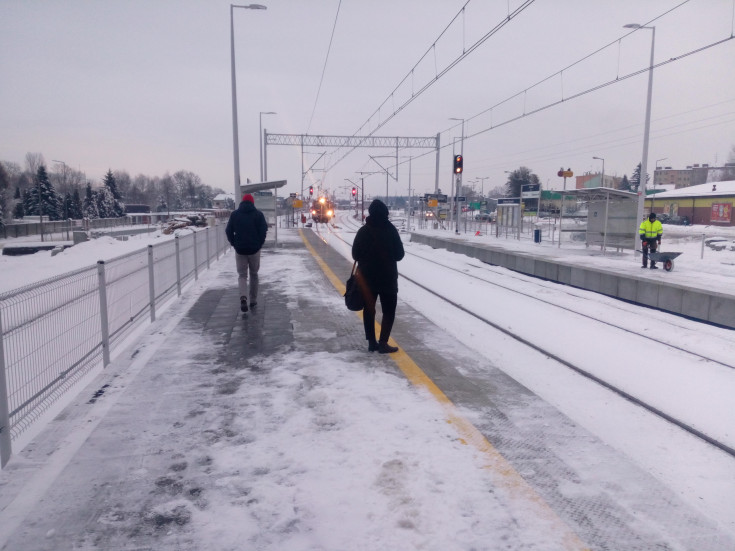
[505, 475]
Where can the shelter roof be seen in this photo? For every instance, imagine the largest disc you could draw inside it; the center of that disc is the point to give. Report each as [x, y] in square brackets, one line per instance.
[597, 193]
[261, 186]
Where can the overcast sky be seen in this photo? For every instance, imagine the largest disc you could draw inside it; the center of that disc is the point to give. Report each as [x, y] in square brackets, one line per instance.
[145, 86]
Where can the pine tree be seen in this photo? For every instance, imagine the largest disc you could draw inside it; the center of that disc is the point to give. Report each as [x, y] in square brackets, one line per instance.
[89, 206]
[625, 183]
[76, 211]
[49, 204]
[106, 204]
[114, 207]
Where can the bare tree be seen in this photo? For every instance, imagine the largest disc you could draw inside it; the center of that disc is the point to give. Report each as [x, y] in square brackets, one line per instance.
[33, 162]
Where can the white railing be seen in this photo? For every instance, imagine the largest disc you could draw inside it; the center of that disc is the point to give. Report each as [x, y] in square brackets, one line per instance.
[54, 332]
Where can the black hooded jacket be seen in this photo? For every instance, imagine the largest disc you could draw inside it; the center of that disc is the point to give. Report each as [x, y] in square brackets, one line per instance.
[246, 229]
[377, 248]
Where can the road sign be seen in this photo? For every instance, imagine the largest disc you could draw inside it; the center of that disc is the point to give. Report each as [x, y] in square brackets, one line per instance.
[510, 201]
[432, 203]
[292, 195]
[298, 204]
[461, 199]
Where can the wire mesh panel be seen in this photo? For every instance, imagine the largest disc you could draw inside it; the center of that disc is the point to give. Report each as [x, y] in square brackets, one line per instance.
[51, 338]
[201, 245]
[128, 297]
[186, 257]
[164, 270]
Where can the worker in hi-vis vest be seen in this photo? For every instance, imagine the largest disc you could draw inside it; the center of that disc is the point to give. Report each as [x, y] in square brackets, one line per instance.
[650, 232]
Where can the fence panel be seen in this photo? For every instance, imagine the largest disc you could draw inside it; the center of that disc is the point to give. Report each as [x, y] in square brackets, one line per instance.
[52, 332]
[51, 338]
[127, 293]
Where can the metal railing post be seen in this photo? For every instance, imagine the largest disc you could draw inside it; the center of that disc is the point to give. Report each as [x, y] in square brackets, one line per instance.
[196, 260]
[206, 233]
[216, 241]
[6, 445]
[178, 267]
[151, 283]
[103, 313]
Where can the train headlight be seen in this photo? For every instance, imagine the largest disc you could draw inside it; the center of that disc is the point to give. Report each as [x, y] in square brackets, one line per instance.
[329, 213]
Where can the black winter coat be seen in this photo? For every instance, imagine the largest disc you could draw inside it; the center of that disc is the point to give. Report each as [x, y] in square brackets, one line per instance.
[246, 229]
[377, 248]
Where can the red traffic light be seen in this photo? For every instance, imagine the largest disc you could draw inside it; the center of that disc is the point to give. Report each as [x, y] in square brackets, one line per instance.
[311, 190]
[354, 191]
[458, 162]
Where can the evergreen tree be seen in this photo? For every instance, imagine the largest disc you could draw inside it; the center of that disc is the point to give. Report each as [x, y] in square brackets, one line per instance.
[19, 211]
[162, 205]
[106, 204]
[48, 204]
[17, 193]
[114, 207]
[519, 177]
[76, 211]
[625, 183]
[89, 205]
[635, 180]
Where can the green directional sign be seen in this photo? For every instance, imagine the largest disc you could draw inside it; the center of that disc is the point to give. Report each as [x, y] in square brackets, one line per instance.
[475, 205]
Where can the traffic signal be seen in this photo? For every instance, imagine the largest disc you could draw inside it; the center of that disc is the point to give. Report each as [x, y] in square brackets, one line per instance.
[354, 191]
[458, 160]
[311, 190]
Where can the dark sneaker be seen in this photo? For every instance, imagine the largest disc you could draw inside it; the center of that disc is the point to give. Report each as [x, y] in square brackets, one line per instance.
[253, 304]
[372, 346]
[385, 348]
[644, 266]
[654, 267]
[243, 304]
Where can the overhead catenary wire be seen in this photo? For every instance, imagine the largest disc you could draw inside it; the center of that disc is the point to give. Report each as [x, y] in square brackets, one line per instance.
[324, 69]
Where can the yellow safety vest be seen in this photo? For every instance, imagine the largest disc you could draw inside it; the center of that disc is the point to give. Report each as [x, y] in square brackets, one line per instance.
[651, 230]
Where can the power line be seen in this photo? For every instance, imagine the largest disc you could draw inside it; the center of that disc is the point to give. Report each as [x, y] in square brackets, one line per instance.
[324, 69]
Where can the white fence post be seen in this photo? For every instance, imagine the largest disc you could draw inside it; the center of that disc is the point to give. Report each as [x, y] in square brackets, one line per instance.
[6, 445]
[151, 284]
[196, 260]
[103, 313]
[178, 267]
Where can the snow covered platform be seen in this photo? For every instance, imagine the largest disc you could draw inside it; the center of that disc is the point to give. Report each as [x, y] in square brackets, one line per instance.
[703, 297]
[276, 429]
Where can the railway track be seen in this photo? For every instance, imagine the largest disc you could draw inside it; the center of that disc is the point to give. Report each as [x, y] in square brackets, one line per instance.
[508, 282]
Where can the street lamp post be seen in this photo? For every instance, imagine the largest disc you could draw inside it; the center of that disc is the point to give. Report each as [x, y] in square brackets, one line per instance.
[235, 144]
[458, 185]
[602, 178]
[647, 128]
[260, 139]
[655, 169]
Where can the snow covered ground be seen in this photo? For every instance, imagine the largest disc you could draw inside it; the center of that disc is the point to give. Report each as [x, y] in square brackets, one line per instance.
[418, 487]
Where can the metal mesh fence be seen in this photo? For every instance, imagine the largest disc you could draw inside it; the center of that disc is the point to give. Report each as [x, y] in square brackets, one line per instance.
[54, 332]
[51, 337]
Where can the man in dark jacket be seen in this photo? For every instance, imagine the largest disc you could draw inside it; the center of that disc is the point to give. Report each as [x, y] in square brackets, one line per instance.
[246, 231]
[377, 248]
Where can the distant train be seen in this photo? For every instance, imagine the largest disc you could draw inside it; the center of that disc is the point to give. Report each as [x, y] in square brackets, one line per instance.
[322, 210]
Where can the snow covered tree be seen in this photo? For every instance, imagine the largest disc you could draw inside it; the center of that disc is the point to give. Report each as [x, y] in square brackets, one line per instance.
[106, 204]
[162, 205]
[76, 210]
[89, 205]
[48, 203]
[113, 205]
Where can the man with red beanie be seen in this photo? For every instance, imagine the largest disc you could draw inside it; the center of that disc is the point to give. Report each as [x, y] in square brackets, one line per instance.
[246, 231]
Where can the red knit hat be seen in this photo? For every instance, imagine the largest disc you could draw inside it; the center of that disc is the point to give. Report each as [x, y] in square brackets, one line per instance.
[249, 198]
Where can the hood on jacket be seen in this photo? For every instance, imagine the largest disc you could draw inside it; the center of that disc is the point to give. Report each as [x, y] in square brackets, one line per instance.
[378, 212]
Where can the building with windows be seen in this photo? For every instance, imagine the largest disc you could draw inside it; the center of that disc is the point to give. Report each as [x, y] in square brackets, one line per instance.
[596, 179]
[693, 175]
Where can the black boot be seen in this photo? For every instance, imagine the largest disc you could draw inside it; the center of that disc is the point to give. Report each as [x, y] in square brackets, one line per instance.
[243, 304]
[385, 348]
[372, 346]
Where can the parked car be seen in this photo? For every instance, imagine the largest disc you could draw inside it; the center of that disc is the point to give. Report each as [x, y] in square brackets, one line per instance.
[678, 220]
[485, 216]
